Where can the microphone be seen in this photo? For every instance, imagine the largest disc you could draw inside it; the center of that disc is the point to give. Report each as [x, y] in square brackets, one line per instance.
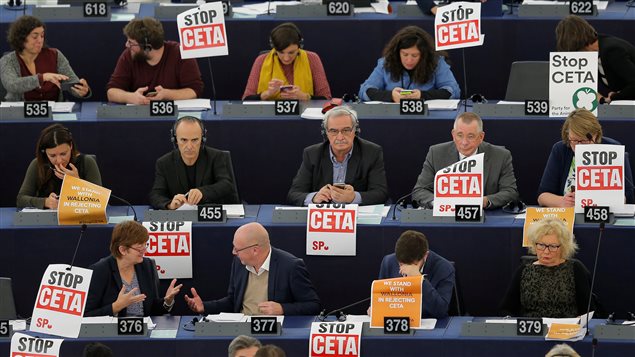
[191, 325]
[415, 204]
[342, 317]
[594, 342]
[127, 204]
[209, 65]
[81, 234]
[269, 7]
[595, 265]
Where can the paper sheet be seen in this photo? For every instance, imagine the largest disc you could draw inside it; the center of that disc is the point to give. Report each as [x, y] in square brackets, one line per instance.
[193, 104]
[442, 104]
[312, 113]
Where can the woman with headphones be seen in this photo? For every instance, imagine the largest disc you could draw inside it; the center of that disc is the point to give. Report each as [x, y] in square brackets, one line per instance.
[410, 69]
[287, 71]
[56, 155]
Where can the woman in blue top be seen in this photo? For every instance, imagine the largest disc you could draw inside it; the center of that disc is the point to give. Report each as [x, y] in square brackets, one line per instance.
[410, 69]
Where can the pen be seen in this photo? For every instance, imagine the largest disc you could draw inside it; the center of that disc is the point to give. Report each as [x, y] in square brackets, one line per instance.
[187, 194]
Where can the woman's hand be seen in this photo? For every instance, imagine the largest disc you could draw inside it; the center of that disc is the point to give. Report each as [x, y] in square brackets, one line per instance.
[273, 87]
[295, 93]
[125, 299]
[60, 171]
[82, 89]
[51, 201]
[396, 94]
[172, 292]
[54, 78]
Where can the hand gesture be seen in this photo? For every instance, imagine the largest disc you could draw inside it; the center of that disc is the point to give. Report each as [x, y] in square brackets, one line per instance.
[568, 200]
[294, 93]
[396, 94]
[409, 270]
[177, 201]
[172, 292]
[194, 196]
[194, 303]
[273, 87]
[137, 97]
[125, 299]
[60, 171]
[161, 93]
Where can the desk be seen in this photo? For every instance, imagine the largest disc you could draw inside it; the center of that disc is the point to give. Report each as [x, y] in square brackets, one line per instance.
[444, 340]
[260, 144]
[348, 47]
[485, 257]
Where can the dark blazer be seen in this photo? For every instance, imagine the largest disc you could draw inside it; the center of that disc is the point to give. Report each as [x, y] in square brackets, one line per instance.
[557, 170]
[365, 172]
[618, 62]
[437, 285]
[289, 285]
[106, 284]
[498, 173]
[213, 178]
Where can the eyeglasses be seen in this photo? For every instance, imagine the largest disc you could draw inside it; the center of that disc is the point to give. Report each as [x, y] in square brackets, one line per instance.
[576, 142]
[344, 131]
[548, 247]
[139, 250]
[469, 137]
[236, 251]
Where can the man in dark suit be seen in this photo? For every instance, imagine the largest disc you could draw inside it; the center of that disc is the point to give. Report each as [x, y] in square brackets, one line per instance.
[413, 258]
[342, 169]
[193, 173]
[467, 134]
[616, 57]
[263, 281]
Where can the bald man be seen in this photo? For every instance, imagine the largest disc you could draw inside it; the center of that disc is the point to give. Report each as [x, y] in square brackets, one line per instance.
[264, 280]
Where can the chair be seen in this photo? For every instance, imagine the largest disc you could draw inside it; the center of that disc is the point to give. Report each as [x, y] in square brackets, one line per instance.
[528, 80]
[456, 306]
[7, 303]
[228, 159]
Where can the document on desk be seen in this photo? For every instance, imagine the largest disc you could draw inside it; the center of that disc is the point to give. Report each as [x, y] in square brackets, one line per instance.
[623, 102]
[227, 317]
[442, 104]
[262, 8]
[371, 214]
[312, 113]
[193, 104]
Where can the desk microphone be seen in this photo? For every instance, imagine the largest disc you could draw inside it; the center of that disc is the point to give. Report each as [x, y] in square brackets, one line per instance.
[127, 204]
[595, 265]
[402, 200]
[341, 317]
[81, 234]
[209, 65]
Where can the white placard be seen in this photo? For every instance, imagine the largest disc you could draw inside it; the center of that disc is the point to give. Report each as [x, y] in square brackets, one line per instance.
[459, 184]
[170, 245]
[458, 25]
[573, 82]
[599, 176]
[202, 31]
[335, 339]
[26, 346]
[61, 300]
[331, 229]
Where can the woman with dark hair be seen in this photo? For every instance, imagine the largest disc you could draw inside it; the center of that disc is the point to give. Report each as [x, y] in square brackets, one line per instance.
[33, 71]
[410, 69]
[56, 155]
[616, 57]
[125, 283]
[287, 71]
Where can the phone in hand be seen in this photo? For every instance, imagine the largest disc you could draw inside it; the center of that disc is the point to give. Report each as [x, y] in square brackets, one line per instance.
[67, 85]
[286, 88]
[406, 92]
[151, 94]
[341, 185]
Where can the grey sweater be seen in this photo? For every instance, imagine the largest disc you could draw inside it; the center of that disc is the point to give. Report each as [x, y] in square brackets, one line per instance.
[16, 85]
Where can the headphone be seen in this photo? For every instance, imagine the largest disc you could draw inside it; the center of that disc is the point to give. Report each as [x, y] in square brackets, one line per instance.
[340, 110]
[478, 98]
[146, 46]
[54, 132]
[288, 25]
[515, 207]
[188, 118]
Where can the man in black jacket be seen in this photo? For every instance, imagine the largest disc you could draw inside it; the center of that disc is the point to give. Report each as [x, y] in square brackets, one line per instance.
[192, 173]
[343, 168]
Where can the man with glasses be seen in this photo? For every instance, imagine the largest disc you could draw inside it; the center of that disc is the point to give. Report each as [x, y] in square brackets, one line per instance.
[264, 280]
[151, 68]
[467, 135]
[342, 169]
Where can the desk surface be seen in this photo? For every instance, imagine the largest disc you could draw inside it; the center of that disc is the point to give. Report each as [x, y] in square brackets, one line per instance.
[444, 340]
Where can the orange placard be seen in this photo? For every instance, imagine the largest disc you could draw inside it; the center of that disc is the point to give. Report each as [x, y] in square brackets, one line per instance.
[399, 297]
[535, 214]
[559, 331]
[82, 202]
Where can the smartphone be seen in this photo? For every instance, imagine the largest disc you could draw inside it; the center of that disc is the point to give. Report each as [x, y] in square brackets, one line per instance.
[341, 185]
[405, 92]
[285, 88]
[67, 85]
[151, 94]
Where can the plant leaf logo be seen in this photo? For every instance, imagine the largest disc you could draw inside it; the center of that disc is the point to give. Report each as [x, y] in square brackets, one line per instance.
[585, 98]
